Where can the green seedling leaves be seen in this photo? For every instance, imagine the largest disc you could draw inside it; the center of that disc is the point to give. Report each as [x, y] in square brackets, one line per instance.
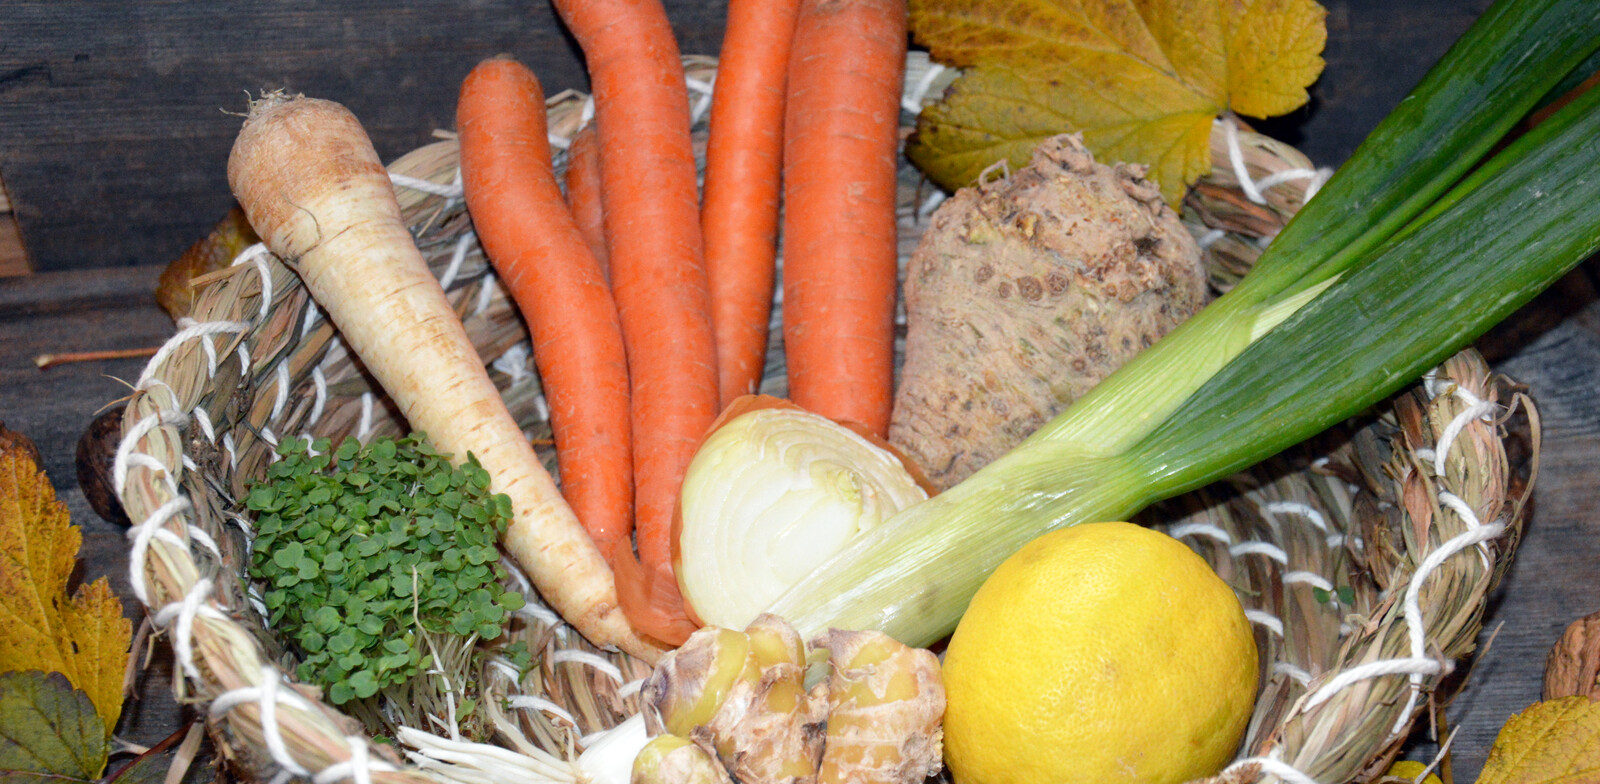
[360, 553]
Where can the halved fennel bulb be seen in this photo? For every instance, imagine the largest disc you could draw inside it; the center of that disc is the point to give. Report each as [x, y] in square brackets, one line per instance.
[770, 495]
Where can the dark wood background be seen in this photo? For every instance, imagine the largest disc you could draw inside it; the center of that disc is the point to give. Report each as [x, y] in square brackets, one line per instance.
[114, 136]
[113, 142]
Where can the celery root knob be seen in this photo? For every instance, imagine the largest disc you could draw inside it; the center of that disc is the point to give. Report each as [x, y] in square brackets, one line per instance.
[885, 705]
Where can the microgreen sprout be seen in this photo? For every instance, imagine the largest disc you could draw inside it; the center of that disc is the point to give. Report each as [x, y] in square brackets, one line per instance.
[379, 563]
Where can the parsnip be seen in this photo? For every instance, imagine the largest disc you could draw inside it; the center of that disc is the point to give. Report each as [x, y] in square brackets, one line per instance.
[314, 189]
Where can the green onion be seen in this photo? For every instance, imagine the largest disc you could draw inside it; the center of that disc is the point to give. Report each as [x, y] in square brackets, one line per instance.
[1401, 259]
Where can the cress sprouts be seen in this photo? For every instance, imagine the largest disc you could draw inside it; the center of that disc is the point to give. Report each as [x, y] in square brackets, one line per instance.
[379, 564]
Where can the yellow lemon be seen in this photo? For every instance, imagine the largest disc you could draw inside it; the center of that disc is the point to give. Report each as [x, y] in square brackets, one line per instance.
[1408, 770]
[1104, 652]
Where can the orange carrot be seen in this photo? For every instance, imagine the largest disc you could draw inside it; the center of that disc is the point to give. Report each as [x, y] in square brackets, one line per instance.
[652, 219]
[538, 251]
[841, 134]
[583, 194]
[744, 160]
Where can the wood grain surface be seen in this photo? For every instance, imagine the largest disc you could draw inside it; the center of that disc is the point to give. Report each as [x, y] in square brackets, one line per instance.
[113, 131]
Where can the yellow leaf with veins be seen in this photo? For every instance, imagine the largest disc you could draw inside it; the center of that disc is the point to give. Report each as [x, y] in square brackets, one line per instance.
[84, 636]
[1550, 742]
[1142, 80]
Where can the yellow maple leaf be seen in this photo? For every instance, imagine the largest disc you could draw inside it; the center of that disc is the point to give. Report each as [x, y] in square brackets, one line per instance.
[1142, 80]
[84, 636]
[1550, 742]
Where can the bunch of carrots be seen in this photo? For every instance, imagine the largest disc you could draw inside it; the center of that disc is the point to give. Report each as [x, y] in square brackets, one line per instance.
[649, 303]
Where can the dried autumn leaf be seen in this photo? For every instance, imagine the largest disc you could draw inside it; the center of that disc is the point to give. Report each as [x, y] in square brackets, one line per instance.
[1550, 742]
[210, 253]
[84, 637]
[49, 732]
[1141, 79]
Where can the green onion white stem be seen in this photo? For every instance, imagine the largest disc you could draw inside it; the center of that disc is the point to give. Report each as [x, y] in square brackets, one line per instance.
[1400, 260]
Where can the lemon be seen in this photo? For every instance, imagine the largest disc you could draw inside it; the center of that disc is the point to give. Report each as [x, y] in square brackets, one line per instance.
[1408, 770]
[1104, 652]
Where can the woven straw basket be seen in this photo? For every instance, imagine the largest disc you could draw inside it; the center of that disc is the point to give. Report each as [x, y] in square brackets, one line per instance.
[1363, 558]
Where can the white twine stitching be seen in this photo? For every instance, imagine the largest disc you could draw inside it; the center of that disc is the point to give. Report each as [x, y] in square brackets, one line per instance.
[452, 191]
[456, 259]
[1267, 549]
[485, 294]
[1481, 409]
[268, 695]
[514, 362]
[917, 91]
[1310, 578]
[1297, 508]
[186, 610]
[1205, 241]
[358, 767]
[630, 688]
[584, 657]
[1201, 529]
[530, 702]
[1264, 618]
[1292, 672]
[141, 535]
[364, 429]
[194, 330]
[258, 253]
[125, 454]
[705, 90]
[319, 383]
[283, 390]
[204, 420]
[1253, 188]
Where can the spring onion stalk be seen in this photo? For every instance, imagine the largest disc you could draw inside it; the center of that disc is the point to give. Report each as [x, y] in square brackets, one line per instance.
[1401, 259]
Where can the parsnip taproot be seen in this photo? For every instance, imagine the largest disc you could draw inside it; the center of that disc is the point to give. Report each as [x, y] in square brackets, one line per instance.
[311, 184]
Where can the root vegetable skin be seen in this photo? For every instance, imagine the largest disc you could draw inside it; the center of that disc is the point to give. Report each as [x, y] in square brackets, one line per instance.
[652, 228]
[583, 194]
[314, 189]
[742, 697]
[744, 162]
[672, 759]
[885, 706]
[841, 142]
[1024, 293]
[539, 252]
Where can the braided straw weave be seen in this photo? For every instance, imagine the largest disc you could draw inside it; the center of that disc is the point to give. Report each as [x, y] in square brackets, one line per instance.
[1364, 561]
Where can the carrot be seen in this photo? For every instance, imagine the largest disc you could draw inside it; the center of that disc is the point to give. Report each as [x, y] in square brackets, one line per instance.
[652, 220]
[583, 194]
[540, 254]
[309, 181]
[744, 160]
[841, 135]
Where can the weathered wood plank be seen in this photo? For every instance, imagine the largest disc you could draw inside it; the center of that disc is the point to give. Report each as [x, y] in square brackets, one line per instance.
[112, 132]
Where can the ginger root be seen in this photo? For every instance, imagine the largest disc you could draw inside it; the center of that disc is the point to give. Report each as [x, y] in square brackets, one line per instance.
[740, 697]
[1024, 293]
[885, 704]
[673, 759]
